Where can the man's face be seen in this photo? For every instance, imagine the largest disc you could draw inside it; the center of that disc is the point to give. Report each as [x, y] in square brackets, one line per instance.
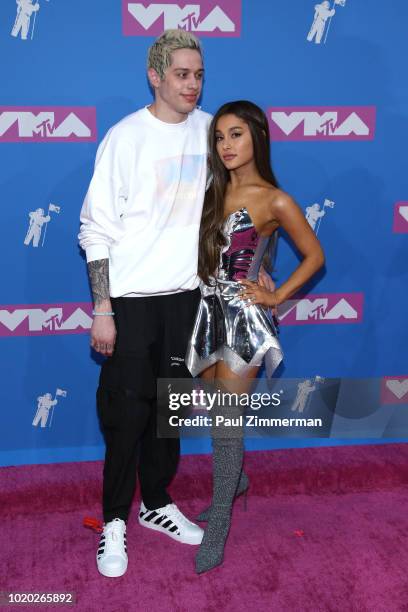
[182, 83]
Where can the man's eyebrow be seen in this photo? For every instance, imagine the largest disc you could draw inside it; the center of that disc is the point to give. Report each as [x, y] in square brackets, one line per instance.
[188, 69]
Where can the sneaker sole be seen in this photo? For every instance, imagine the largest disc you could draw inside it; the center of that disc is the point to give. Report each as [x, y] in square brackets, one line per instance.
[173, 536]
[112, 573]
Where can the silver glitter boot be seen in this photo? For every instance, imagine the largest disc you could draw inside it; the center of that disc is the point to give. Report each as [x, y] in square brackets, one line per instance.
[227, 460]
[242, 489]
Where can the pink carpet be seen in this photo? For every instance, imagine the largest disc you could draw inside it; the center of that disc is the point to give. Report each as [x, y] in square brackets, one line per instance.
[325, 529]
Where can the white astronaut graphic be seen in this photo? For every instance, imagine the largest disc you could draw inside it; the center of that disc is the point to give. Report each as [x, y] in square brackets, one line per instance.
[45, 403]
[37, 220]
[314, 214]
[25, 8]
[304, 390]
[45, 408]
[321, 21]
[322, 13]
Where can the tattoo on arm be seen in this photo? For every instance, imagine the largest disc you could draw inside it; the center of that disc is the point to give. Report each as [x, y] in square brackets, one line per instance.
[99, 278]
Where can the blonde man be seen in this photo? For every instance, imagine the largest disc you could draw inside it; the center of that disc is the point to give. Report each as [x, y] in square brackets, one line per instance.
[139, 227]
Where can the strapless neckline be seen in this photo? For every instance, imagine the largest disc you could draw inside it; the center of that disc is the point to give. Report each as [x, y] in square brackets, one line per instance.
[234, 212]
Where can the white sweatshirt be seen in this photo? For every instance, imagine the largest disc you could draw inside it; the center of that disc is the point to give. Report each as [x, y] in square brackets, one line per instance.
[144, 203]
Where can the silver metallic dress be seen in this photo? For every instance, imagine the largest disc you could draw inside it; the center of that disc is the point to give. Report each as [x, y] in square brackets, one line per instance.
[226, 327]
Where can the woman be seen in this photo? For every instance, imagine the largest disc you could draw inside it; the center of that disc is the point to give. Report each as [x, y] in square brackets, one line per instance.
[234, 332]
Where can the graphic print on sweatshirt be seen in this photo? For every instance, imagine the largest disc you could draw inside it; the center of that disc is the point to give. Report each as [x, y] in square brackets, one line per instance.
[178, 182]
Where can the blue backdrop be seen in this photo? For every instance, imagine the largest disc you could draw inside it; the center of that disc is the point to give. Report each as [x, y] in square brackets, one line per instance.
[333, 86]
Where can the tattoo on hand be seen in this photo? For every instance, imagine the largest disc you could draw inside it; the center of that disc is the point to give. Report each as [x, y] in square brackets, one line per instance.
[99, 277]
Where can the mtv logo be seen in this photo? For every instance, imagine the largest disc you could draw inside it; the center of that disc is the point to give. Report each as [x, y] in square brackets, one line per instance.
[204, 18]
[394, 390]
[400, 225]
[322, 123]
[47, 124]
[45, 319]
[322, 309]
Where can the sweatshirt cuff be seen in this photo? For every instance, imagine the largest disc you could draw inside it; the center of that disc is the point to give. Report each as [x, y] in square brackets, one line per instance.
[97, 251]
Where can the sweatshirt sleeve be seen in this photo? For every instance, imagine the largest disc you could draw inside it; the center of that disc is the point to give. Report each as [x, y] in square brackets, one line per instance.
[105, 201]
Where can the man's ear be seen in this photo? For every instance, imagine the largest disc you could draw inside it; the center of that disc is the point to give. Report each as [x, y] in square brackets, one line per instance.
[153, 78]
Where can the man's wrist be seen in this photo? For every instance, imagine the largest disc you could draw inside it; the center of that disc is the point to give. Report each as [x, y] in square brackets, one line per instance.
[102, 314]
[102, 306]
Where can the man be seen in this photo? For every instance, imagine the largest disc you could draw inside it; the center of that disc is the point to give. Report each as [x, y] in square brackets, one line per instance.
[140, 225]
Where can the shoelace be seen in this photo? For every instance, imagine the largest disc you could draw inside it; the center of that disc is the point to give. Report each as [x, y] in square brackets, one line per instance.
[172, 511]
[115, 532]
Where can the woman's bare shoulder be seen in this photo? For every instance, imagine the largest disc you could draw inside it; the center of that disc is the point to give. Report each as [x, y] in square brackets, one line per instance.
[279, 199]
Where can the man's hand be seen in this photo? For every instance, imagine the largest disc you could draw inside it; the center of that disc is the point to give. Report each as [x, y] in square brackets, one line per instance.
[103, 335]
[103, 330]
[265, 280]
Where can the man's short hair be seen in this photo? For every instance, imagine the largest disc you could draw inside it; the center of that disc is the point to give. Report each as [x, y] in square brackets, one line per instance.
[159, 56]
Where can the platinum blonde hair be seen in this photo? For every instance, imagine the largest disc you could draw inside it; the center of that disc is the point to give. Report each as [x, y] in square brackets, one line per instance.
[159, 56]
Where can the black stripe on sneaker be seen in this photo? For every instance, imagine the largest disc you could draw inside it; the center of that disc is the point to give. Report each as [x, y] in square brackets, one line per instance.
[167, 524]
[173, 529]
[151, 516]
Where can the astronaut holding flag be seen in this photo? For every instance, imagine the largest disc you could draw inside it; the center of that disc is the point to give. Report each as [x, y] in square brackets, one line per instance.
[304, 390]
[323, 14]
[45, 406]
[37, 220]
[314, 215]
[25, 8]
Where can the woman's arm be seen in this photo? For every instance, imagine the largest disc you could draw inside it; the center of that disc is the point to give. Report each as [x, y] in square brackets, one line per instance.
[290, 217]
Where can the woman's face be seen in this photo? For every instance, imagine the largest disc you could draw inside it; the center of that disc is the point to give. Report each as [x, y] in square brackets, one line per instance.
[234, 142]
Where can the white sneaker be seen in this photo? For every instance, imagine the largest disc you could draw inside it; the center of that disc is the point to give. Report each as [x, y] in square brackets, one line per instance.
[111, 558]
[171, 521]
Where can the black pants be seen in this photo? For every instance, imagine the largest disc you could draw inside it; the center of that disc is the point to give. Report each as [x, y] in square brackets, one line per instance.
[152, 336]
